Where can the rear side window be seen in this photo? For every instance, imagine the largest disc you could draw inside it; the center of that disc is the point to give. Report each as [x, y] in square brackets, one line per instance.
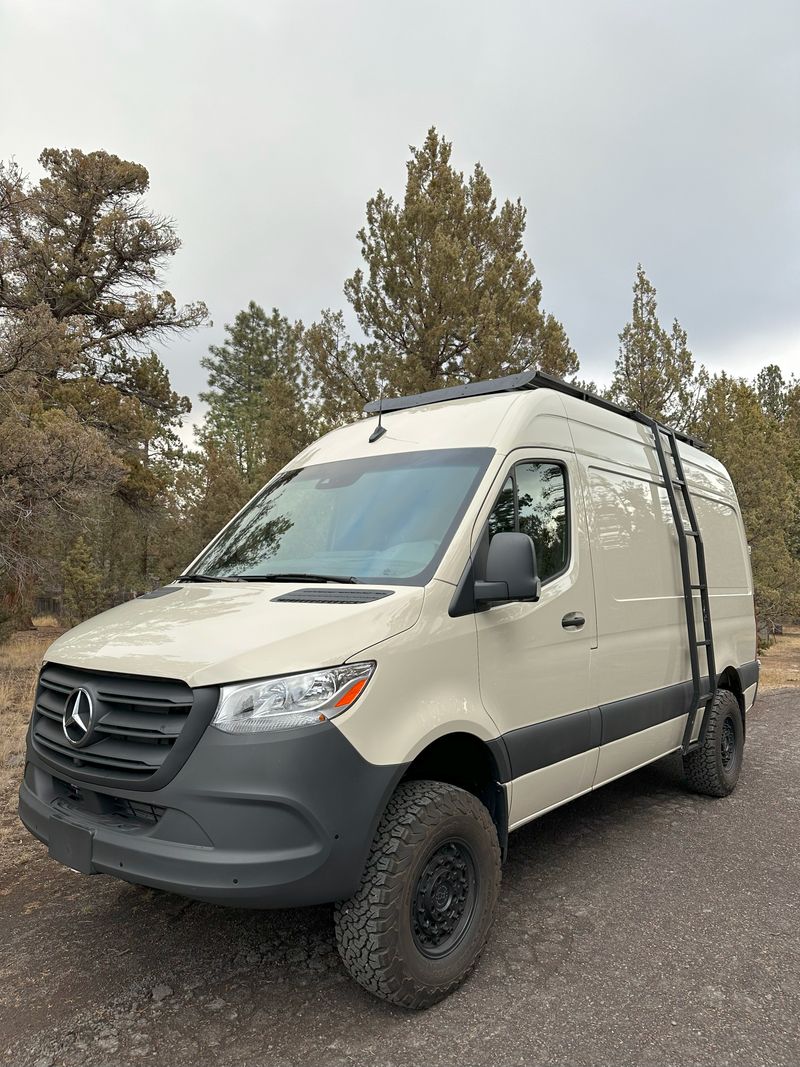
[534, 501]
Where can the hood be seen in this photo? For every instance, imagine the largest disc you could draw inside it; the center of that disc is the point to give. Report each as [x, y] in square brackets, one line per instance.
[230, 632]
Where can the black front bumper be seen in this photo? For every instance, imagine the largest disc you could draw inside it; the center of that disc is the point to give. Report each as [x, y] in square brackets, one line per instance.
[258, 820]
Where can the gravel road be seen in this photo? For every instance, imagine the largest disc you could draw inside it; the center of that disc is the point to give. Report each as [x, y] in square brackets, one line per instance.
[640, 925]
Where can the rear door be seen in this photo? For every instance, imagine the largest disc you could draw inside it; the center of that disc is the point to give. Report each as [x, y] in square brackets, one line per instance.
[534, 657]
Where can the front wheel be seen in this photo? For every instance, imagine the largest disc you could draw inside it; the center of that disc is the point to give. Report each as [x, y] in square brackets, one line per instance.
[415, 928]
[713, 768]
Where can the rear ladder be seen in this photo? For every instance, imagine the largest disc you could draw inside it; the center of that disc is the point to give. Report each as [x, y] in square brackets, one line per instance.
[702, 687]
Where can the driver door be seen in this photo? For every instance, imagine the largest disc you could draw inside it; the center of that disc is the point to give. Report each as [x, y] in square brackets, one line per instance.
[534, 657]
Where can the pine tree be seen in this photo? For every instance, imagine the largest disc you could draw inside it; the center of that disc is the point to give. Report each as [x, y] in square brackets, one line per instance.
[655, 370]
[257, 408]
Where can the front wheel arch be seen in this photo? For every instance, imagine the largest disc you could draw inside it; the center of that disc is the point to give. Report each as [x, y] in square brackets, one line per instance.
[464, 760]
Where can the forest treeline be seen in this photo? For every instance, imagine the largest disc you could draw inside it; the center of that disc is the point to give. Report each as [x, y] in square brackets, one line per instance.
[100, 500]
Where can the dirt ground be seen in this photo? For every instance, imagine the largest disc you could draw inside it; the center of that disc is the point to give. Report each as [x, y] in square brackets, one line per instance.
[640, 925]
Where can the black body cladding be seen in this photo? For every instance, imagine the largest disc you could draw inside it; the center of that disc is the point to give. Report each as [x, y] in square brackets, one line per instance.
[543, 743]
[270, 820]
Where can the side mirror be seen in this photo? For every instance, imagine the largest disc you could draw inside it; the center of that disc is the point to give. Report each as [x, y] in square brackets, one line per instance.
[511, 572]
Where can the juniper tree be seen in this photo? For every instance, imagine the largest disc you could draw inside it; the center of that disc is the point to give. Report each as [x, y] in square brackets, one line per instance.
[81, 300]
[755, 448]
[83, 242]
[82, 584]
[655, 369]
[447, 293]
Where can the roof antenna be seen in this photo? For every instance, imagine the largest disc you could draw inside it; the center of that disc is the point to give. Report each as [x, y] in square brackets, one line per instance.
[380, 429]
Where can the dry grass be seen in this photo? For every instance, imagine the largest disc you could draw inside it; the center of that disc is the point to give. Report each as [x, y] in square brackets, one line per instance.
[19, 662]
[20, 658]
[780, 663]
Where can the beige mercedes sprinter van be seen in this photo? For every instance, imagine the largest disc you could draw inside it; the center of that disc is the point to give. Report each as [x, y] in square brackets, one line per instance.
[433, 626]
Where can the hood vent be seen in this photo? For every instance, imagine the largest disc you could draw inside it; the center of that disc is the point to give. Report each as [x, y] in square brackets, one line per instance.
[165, 590]
[332, 596]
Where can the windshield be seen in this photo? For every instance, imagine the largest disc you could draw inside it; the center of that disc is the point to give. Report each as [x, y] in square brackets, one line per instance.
[380, 518]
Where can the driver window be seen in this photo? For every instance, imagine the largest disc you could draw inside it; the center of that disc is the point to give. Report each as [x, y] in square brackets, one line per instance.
[534, 501]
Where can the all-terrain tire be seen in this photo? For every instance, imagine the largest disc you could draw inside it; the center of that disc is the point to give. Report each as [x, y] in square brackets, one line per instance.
[433, 839]
[713, 768]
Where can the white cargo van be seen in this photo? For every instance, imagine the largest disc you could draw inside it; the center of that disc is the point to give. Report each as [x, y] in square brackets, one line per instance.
[427, 630]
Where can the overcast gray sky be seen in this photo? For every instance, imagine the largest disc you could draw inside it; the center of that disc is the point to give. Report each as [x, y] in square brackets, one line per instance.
[632, 130]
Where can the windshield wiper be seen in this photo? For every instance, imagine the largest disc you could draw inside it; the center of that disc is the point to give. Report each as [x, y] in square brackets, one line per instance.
[208, 578]
[291, 576]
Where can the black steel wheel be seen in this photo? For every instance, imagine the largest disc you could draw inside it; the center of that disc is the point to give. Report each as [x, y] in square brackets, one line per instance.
[728, 743]
[444, 899]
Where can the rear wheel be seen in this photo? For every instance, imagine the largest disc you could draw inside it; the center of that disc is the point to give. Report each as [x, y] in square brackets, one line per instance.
[713, 768]
[417, 924]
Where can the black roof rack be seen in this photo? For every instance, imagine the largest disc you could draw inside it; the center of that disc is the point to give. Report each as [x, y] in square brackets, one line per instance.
[514, 383]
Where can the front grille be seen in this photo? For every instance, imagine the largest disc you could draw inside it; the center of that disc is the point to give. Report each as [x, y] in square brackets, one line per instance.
[142, 728]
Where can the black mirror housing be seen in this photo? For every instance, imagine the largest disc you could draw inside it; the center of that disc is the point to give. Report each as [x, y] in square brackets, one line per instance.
[511, 571]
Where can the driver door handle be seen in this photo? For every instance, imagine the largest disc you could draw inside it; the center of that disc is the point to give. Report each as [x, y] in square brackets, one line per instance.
[573, 620]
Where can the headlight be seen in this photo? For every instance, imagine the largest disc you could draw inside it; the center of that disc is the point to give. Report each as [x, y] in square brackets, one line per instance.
[293, 700]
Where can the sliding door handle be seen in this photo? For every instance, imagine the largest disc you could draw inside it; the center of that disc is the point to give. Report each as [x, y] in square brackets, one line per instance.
[573, 620]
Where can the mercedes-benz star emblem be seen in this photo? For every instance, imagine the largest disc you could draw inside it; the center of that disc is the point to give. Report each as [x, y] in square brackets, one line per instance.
[78, 712]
